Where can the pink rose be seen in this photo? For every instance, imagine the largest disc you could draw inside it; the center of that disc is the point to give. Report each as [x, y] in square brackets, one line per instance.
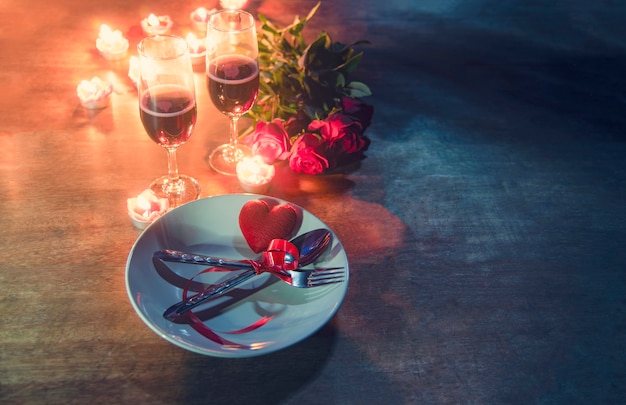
[306, 155]
[359, 110]
[270, 141]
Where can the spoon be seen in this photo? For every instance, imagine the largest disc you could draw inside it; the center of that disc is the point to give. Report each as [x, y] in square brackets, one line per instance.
[310, 245]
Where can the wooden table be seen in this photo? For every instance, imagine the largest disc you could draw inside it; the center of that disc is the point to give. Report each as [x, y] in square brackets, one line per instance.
[485, 230]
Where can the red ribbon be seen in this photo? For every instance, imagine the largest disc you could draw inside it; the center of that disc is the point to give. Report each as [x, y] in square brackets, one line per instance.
[280, 256]
[275, 257]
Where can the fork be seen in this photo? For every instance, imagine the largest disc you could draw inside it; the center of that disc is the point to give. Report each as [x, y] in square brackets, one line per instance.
[298, 278]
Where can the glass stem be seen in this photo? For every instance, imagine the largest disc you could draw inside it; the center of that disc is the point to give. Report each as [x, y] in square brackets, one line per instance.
[234, 132]
[172, 166]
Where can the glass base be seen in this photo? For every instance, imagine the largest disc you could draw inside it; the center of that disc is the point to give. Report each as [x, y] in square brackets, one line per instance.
[178, 192]
[224, 158]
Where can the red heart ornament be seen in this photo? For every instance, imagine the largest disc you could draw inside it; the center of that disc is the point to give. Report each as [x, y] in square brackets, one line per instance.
[260, 223]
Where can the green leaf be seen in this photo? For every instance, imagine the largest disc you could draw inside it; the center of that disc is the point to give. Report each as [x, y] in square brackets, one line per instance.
[358, 89]
[296, 77]
[313, 10]
[341, 81]
[351, 64]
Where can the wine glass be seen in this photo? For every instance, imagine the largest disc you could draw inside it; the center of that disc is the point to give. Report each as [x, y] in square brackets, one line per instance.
[167, 107]
[232, 78]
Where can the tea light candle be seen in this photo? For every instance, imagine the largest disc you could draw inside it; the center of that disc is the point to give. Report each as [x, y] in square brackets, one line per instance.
[233, 4]
[200, 18]
[133, 69]
[197, 50]
[145, 208]
[254, 174]
[94, 93]
[111, 44]
[153, 25]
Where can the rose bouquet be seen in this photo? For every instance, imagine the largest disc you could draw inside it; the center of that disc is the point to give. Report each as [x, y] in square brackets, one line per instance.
[308, 112]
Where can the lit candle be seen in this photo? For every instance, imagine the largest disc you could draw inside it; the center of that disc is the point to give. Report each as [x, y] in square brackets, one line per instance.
[197, 50]
[200, 18]
[233, 4]
[94, 93]
[153, 25]
[111, 44]
[254, 174]
[145, 208]
[133, 69]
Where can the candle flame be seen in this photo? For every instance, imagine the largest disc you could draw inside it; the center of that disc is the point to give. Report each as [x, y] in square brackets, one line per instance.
[111, 41]
[254, 171]
[87, 87]
[203, 13]
[105, 31]
[194, 43]
[153, 20]
[110, 36]
[94, 89]
[143, 205]
[146, 207]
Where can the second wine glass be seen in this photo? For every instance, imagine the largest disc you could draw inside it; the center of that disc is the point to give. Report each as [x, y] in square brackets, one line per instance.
[232, 78]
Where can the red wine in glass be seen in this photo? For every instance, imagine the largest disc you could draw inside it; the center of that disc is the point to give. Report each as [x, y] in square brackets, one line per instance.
[167, 108]
[232, 78]
[168, 113]
[233, 83]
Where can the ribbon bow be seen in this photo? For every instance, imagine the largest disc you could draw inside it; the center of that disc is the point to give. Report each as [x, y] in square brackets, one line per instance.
[281, 255]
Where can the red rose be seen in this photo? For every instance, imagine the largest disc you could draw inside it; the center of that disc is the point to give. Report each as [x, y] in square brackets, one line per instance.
[359, 110]
[342, 133]
[337, 157]
[270, 141]
[306, 156]
[297, 124]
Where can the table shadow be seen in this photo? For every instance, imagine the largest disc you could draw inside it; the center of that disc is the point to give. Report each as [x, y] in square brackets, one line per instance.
[272, 377]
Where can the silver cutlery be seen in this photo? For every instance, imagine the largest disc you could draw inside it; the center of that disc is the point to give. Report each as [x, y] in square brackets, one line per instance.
[297, 278]
[310, 246]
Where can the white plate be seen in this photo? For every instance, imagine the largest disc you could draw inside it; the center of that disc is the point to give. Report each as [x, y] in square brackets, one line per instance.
[210, 226]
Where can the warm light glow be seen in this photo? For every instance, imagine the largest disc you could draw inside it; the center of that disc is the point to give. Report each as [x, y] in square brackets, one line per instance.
[106, 33]
[111, 41]
[153, 20]
[156, 25]
[199, 19]
[202, 14]
[133, 69]
[195, 44]
[254, 174]
[145, 208]
[197, 51]
[233, 4]
[94, 93]
[86, 89]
